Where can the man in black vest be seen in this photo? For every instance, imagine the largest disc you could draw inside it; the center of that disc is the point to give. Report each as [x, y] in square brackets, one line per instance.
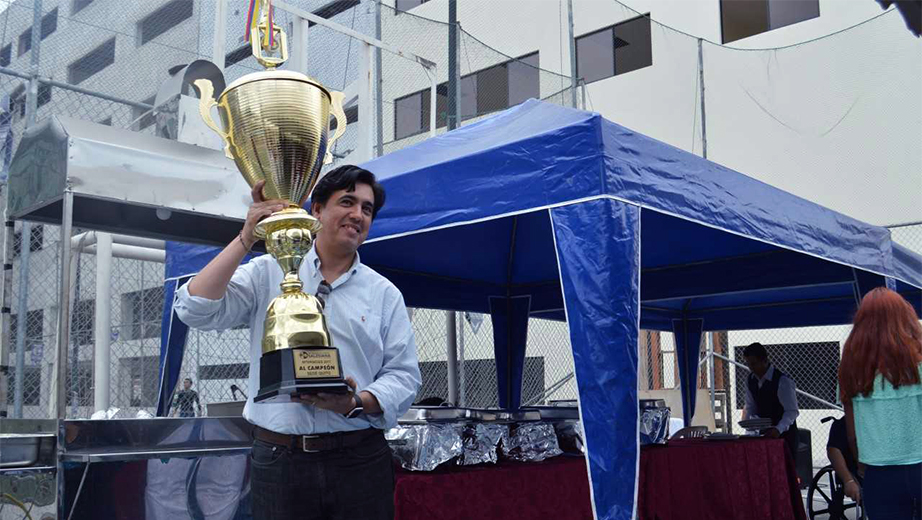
[770, 394]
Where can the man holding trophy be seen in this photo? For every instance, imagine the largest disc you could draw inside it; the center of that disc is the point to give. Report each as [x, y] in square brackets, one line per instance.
[335, 363]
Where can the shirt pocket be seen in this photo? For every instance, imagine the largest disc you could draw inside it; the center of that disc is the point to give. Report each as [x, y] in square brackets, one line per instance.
[366, 328]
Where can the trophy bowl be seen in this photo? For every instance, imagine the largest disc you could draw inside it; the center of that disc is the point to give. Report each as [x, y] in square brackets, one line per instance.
[275, 126]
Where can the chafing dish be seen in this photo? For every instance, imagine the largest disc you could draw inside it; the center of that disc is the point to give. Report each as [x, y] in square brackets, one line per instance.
[21, 449]
[427, 414]
[504, 416]
[556, 413]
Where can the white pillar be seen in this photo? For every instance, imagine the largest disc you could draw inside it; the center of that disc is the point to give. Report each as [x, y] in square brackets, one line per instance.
[299, 45]
[366, 141]
[102, 325]
[220, 23]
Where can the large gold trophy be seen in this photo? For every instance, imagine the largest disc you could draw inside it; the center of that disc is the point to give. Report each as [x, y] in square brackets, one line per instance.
[275, 128]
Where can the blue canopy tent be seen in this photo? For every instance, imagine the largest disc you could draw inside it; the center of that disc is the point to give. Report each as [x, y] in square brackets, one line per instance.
[540, 211]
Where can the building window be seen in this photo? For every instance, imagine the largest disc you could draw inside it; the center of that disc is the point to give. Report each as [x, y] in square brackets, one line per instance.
[142, 312]
[524, 79]
[614, 50]
[5, 55]
[36, 239]
[743, 18]
[334, 8]
[91, 63]
[79, 5]
[489, 90]
[406, 5]
[408, 115]
[25, 42]
[50, 23]
[144, 118]
[238, 55]
[44, 94]
[163, 19]
[140, 376]
[80, 393]
[35, 329]
[82, 321]
[18, 102]
[31, 388]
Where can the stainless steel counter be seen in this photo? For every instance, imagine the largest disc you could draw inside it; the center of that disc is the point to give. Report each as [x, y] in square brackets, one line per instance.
[139, 439]
[132, 468]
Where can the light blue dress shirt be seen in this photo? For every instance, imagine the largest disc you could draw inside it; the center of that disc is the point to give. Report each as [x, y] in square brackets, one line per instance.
[367, 319]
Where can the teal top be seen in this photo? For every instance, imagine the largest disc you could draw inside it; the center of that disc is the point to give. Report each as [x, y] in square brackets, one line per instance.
[888, 424]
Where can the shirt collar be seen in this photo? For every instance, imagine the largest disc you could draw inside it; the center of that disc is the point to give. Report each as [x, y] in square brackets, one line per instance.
[315, 261]
[768, 374]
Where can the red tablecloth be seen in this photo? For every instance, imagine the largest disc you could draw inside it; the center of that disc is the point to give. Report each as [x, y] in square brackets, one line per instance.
[556, 488]
[748, 479]
[687, 480]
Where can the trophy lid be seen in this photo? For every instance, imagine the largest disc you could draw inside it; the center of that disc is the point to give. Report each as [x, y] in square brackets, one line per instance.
[275, 75]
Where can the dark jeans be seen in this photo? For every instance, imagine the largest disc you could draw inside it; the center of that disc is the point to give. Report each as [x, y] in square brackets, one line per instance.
[351, 484]
[893, 492]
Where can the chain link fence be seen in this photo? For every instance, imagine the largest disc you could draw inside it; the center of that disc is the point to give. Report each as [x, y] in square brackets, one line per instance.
[103, 61]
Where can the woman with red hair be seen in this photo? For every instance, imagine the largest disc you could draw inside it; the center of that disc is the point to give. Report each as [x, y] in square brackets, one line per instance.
[880, 384]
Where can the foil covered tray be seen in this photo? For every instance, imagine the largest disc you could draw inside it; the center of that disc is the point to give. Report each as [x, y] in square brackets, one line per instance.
[570, 437]
[531, 442]
[654, 425]
[424, 447]
[481, 443]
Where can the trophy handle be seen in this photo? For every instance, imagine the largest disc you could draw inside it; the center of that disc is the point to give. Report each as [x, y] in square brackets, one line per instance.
[207, 101]
[336, 106]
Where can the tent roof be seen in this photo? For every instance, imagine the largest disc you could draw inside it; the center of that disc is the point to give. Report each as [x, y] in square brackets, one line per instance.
[471, 222]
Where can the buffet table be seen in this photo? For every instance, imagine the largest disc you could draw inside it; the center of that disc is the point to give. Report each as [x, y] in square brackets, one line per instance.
[742, 479]
[160, 468]
[688, 479]
[556, 488]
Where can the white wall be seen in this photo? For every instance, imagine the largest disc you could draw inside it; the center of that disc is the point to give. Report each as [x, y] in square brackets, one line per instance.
[837, 122]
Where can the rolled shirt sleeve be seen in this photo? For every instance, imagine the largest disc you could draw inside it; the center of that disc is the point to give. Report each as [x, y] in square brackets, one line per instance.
[233, 309]
[788, 398]
[397, 382]
[749, 409]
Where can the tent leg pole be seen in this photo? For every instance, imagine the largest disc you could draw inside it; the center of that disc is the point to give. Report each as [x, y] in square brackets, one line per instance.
[451, 330]
[712, 381]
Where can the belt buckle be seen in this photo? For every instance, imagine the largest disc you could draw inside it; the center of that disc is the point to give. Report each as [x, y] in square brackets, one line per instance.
[304, 439]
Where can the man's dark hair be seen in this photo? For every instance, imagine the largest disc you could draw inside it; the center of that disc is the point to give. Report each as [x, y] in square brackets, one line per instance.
[189, 379]
[344, 178]
[755, 350]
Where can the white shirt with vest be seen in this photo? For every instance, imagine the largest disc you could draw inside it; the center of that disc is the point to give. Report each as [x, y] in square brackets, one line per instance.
[786, 395]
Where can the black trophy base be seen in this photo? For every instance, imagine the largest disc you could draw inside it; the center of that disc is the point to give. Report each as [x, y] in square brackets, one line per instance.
[278, 384]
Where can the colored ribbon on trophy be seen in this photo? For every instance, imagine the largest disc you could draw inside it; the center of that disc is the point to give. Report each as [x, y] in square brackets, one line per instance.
[253, 21]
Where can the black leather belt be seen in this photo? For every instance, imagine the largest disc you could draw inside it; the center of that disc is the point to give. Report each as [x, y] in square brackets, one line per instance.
[318, 442]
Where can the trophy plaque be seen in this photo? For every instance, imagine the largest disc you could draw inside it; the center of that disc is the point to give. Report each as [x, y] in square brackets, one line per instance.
[275, 127]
